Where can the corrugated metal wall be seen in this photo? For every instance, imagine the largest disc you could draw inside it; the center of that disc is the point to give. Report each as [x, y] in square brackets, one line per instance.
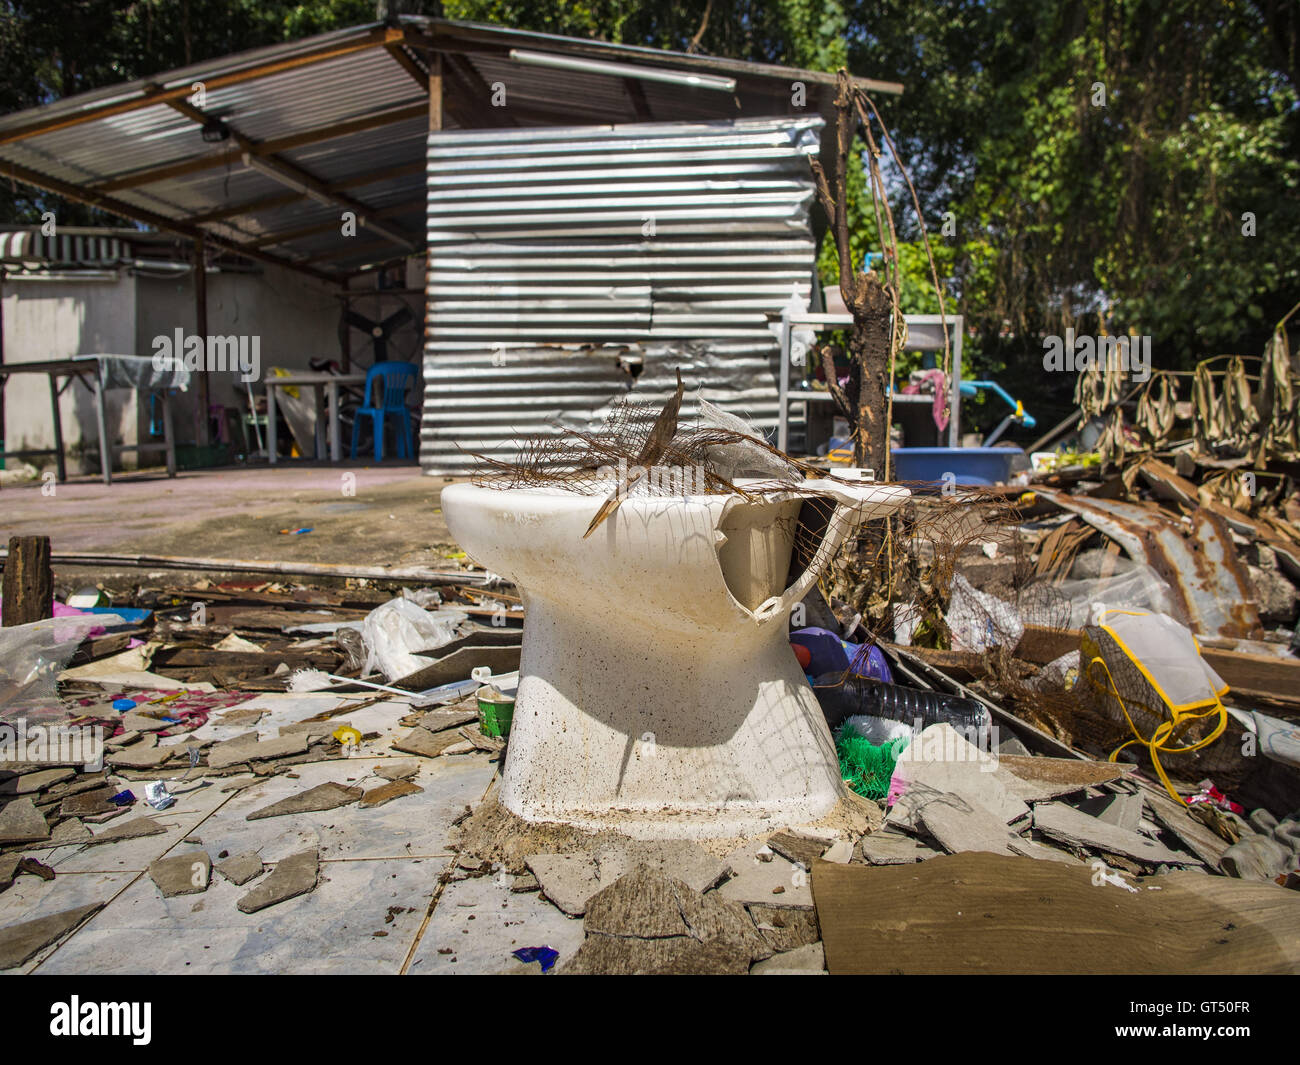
[558, 258]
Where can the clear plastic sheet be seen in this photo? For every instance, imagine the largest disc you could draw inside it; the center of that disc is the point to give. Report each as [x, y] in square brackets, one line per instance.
[31, 658]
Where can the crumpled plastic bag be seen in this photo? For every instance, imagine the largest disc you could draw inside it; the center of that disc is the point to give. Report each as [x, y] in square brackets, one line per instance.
[33, 655]
[979, 621]
[396, 630]
[1127, 585]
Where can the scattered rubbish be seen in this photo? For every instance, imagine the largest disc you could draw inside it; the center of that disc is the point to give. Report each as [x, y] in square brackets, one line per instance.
[126, 798]
[827, 653]
[294, 532]
[842, 697]
[866, 766]
[396, 632]
[157, 795]
[1146, 670]
[544, 956]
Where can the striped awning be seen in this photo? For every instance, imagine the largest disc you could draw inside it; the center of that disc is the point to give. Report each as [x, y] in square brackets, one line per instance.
[31, 247]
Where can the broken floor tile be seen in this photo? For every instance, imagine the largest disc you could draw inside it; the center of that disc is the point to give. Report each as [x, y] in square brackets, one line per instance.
[680, 859]
[568, 880]
[397, 770]
[641, 903]
[387, 793]
[425, 743]
[19, 943]
[959, 827]
[133, 721]
[891, 847]
[441, 720]
[322, 797]
[248, 715]
[292, 876]
[41, 780]
[89, 802]
[241, 868]
[21, 822]
[758, 881]
[182, 874]
[840, 852]
[133, 829]
[232, 752]
[1037, 779]
[8, 869]
[1071, 827]
[137, 757]
[798, 846]
[806, 960]
[679, 955]
[784, 928]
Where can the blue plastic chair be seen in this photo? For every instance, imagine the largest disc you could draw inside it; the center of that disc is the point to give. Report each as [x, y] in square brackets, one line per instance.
[396, 378]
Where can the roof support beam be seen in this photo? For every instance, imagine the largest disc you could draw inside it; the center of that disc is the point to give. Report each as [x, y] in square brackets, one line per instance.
[296, 178]
[273, 147]
[267, 203]
[148, 218]
[372, 39]
[284, 235]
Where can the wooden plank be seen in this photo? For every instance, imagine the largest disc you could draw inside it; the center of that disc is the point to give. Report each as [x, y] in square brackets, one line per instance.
[987, 913]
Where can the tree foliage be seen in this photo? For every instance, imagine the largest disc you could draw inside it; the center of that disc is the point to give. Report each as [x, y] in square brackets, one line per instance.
[1168, 203]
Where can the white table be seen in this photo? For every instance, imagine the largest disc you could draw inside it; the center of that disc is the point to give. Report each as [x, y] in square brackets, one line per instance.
[103, 373]
[317, 382]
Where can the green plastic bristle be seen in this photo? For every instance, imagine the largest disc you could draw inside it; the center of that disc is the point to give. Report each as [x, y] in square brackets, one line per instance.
[867, 767]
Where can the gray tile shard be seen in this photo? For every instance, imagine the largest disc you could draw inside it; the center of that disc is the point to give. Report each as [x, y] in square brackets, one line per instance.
[292, 876]
[19, 943]
[21, 822]
[1069, 826]
[397, 770]
[182, 874]
[326, 796]
[133, 829]
[802, 961]
[241, 868]
[232, 752]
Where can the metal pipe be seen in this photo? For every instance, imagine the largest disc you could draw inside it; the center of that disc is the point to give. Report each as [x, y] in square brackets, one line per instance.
[622, 70]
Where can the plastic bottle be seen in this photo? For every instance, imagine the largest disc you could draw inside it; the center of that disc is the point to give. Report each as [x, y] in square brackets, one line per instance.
[844, 696]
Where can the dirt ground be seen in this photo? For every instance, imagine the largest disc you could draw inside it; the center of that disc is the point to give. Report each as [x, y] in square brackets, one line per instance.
[386, 515]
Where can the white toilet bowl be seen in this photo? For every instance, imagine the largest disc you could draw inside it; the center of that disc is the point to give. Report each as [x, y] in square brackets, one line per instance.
[658, 694]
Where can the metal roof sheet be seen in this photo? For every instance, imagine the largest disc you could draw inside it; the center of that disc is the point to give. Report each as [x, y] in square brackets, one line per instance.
[138, 148]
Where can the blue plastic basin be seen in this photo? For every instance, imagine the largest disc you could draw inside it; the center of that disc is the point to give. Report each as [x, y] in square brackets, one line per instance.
[967, 465]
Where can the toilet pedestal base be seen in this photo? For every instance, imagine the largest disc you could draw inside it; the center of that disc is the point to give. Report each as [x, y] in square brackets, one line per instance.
[664, 736]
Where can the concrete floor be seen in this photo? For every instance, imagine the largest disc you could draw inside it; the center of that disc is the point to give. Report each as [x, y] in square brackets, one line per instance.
[362, 515]
[388, 860]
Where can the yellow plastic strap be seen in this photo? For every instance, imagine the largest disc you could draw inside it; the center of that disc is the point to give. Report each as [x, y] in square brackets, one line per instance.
[1159, 740]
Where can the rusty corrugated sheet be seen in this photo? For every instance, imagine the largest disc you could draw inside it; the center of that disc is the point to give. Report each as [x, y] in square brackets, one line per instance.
[549, 296]
[1198, 561]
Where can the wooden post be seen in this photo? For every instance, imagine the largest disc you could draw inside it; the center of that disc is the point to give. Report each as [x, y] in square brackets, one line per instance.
[202, 437]
[435, 125]
[28, 581]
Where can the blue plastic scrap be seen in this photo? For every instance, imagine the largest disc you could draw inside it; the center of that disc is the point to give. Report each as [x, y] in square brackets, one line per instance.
[544, 956]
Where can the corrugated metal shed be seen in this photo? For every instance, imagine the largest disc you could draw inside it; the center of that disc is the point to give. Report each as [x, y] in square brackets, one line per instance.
[562, 259]
[338, 122]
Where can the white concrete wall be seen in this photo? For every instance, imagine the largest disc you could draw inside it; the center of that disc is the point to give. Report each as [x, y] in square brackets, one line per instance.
[46, 319]
[296, 317]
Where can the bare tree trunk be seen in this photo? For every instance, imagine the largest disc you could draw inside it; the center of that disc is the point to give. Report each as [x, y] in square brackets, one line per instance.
[864, 404]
